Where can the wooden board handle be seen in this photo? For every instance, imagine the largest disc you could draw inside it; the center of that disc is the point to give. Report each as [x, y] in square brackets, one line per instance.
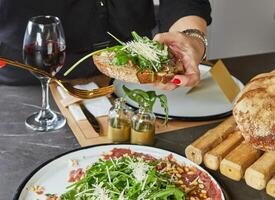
[210, 139]
[69, 101]
[213, 158]
[270, 187]
[258, 174]
[237, 161]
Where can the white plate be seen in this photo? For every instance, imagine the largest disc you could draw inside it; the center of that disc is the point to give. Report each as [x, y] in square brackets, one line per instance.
[53, 175]
[204, 101]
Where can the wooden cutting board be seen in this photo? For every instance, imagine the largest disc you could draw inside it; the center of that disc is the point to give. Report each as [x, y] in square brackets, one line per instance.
[86, 135]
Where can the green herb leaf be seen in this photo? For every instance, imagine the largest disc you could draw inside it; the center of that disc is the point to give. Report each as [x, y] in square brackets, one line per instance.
[121, 59]
[118, 40]
[169, 193]
[136, 36]
[164, 104]
[142, 97]
[90, 55]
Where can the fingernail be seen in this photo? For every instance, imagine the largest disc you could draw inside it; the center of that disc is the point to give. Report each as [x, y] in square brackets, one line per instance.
[176, 81]
[2, 63]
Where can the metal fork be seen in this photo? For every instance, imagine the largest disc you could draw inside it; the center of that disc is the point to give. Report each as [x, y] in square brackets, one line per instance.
[66, 85]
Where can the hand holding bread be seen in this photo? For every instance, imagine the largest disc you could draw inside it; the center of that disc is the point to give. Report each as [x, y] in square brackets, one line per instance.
[139, 61]
[189, 52]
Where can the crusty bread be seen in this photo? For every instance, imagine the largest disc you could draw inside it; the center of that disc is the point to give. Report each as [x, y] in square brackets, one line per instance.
[129, 73]
[254, 111]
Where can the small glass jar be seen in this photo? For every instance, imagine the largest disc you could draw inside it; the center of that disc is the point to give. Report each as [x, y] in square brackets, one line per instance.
[119, 121]
[143, 126]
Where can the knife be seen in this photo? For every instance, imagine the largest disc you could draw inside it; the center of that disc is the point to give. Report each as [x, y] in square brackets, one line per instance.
[90, 117]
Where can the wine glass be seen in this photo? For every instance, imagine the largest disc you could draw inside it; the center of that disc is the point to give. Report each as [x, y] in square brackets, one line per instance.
[44, 48]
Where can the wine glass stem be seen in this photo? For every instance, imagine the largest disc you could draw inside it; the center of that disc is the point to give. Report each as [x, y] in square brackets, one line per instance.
[45, 94]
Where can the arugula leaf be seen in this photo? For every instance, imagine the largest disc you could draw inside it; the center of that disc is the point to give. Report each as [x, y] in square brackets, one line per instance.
[142, 97]
[120, 59]
[136, 36]
[118, 40]
[164, 104]
[70, 195]
[169, 193]
[114, 48]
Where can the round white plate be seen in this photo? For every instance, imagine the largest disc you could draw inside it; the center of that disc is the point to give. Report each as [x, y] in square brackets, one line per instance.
[53, 175]
[204, 101]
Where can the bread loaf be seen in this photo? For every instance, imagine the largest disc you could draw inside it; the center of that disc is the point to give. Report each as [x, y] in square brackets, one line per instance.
[254, 111]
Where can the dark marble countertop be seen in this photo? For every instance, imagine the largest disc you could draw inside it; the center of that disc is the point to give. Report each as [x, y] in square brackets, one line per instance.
[22, 150]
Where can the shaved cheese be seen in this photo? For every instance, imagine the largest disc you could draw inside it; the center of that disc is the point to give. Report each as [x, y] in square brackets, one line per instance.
[100, 193]
[121, 196]
[143, 49]
[143, 195]
[139, 170]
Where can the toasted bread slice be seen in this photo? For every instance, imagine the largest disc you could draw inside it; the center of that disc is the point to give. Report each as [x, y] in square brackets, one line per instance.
[130, 73]
[122, 72]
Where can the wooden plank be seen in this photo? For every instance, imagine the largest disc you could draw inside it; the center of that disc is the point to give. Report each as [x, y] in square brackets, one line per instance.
[258, 174]
[237, 161]
[213, 158]
[85, 131]
[209, 140]
[270, 188]
[69, 100]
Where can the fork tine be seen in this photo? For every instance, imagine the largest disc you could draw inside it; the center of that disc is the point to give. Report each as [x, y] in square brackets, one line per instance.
[94, 92]
[88, 94]
[100, 90]
[85, 94]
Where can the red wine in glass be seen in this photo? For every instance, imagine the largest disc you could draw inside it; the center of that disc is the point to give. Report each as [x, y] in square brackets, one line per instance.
[44, 48]
[49, 57]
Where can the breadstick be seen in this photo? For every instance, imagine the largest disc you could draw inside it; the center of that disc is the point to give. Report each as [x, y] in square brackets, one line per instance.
[210, 139]
[270, 187]
[237, 161]
[213, 157]
[258, 174]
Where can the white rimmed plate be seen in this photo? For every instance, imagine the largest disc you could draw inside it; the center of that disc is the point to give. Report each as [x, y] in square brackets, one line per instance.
[53, 174]
[205, 101]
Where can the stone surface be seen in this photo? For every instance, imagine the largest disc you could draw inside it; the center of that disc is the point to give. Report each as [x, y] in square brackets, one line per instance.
[22, 150]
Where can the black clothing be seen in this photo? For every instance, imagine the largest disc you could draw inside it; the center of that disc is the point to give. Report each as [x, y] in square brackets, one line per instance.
[85, 24]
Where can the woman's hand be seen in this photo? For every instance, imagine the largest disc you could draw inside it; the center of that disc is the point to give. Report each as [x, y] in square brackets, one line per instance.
[189, 51]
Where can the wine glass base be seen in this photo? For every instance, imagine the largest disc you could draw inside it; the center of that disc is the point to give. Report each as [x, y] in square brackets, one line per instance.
[55, 122]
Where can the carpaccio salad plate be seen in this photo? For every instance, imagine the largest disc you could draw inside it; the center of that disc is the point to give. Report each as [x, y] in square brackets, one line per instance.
[119, 172]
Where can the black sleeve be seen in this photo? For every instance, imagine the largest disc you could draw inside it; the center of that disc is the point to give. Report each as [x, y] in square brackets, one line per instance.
[172, 10]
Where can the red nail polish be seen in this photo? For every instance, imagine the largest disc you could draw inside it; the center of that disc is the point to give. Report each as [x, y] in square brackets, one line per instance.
[2, 63]
[176, 81]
